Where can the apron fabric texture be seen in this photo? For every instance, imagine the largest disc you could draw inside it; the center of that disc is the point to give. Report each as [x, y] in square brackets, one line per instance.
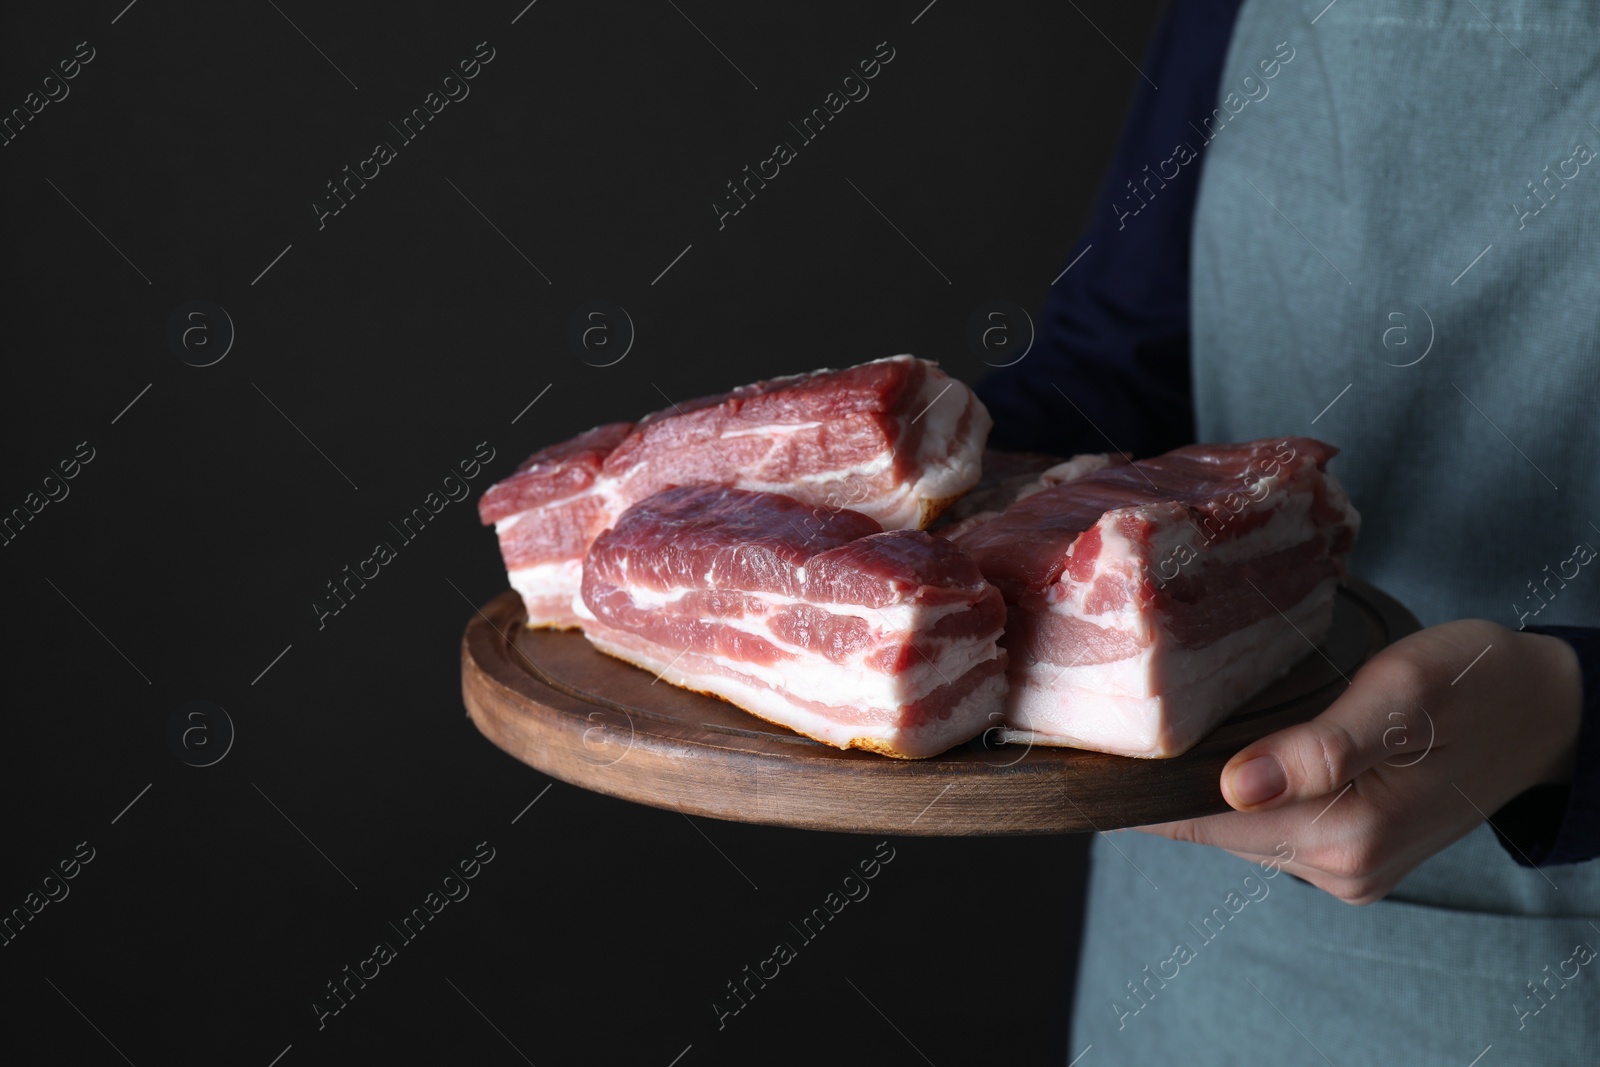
[1397, 235]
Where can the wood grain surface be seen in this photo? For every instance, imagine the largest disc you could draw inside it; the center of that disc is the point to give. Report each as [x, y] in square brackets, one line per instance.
[553, 702]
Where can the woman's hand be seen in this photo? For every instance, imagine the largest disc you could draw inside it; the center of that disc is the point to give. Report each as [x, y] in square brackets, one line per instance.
[1434, 734]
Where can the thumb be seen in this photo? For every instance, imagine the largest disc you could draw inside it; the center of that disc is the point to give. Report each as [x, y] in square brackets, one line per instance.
[1307, 761]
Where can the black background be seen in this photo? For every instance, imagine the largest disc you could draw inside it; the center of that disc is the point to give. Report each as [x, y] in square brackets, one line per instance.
[375, 354]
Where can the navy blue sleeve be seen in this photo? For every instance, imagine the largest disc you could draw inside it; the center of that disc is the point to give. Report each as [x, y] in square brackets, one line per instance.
[1109, 369]
[1549, 825]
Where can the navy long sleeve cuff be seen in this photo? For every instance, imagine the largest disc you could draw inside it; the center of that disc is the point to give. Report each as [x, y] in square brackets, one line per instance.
[1555, 824]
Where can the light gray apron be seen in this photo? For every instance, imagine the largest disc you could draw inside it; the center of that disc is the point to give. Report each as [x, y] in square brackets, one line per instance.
[1383, 260]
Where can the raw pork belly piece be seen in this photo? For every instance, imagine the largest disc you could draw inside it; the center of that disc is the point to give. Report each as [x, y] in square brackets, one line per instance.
[546, 514]
[1144, 598]
[812, 619]
[882, 438]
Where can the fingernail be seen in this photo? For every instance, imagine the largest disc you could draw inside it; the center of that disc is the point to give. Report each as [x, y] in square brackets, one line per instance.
[1257, 781]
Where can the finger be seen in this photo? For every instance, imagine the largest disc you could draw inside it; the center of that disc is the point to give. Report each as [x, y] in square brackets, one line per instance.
[1264, 840]
[1336, 844]
[1331, 852]
[1252, 836]
[1305, 827]
[1318, 758]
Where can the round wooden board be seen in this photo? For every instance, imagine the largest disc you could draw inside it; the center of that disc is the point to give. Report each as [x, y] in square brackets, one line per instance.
[552, 701]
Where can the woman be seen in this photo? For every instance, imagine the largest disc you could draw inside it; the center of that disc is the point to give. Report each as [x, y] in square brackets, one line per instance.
[1375, 225]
